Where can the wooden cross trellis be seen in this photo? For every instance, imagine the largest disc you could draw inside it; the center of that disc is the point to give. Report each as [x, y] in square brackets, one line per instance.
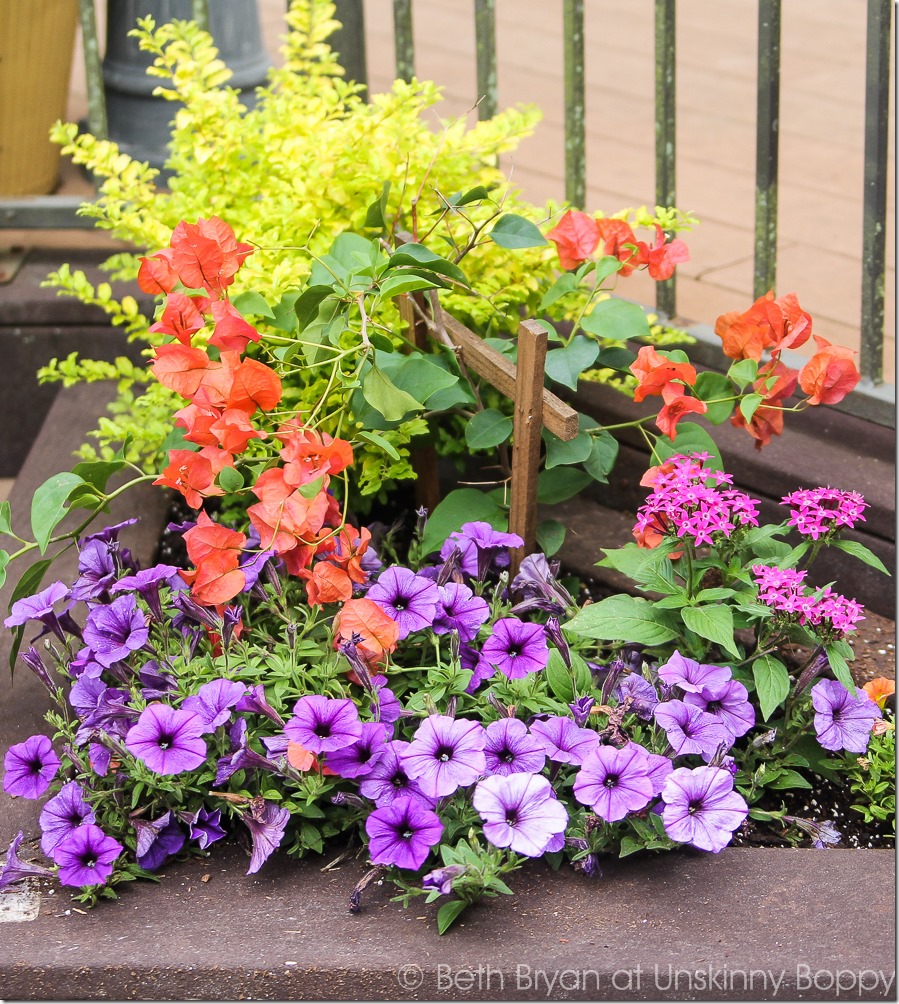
[535, 406]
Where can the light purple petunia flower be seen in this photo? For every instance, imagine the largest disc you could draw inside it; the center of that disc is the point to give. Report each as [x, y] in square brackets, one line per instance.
[516, 648]
[480, 548]
[410, 599]
[166, 740]
[266, 822]
[521, 812]
[15, 869]
[388, 779]
[690, 675]
[147, 584]
[97, 571]
[509, 748]
[689, 729]
[581, 709]
[843, 722]
[539, 588]
[441, 879]
[254, 701]
[729, 704]
[402, 833]
[641, 692]
[385, 705]
[458, 609]
[30, 767]
[213, 702]
[241, 757]
[702, 808]
[86, 856]
[157, 840]
[115, 630]
[660, 767]
[445, 754]
[614, 782]
[40, 608]
[360, 758]
[63, 813]
[563, 741]
[323, 724]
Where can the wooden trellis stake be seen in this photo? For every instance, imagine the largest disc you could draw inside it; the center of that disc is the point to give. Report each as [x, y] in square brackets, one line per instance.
[535, 407]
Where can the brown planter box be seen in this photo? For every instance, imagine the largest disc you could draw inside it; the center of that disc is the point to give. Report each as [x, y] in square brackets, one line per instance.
[746, 924]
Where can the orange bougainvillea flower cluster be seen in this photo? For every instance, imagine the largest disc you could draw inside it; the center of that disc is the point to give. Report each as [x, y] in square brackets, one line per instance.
[296, 516]
[771, 325]
[578, 236]
[659, 374]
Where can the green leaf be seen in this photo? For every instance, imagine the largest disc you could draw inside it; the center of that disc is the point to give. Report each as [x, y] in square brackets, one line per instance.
[98, 472]
[616, 320]
[48, 505]
[852, 547]
[550, 536]
[381, 443]
[772, 683]
[476, 194]
[284, 317]
[385, 397]
[566, 451]
[743, 372]
[447, 914]
[622, 618]
[559, 485]
[418, 254]
[649, 568]
[710, 387]
[175, 441]
[417, 375]
[5, 517]
[603, 454]
[306, 305]
[251, 302]
[602, 268]
[487, 429]
[376, 215]
[788, 779]
[230, 480]
[840, 667]
[714, 622]
[4, 561]
[464, 505]
[565, 284]
[558, 677]
[566, 365]
[614, 357]
[691, 438]
[512, 231]
[393, 285]
[749, 405]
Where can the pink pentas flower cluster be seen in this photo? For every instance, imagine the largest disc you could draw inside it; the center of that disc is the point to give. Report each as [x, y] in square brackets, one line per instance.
[783, 589]
[816, 512]
[684, 503]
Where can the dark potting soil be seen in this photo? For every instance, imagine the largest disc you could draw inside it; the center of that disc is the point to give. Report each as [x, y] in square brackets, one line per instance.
[875, 655]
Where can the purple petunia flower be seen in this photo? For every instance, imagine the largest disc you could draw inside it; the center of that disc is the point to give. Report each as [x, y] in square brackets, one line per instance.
[323, 724]
[205, 827]
[614, 782]
[97, 571]
[166, 740]
[689, 729]
[729, 704]
[115, 630]
[385, 705]
[410, 599]
[266, 822]
[702, 808]
[63, 813]
[157, 840]
[402, 833]
[843, 722]
[30, 767]
[480, 547]
[441, 879]
[539, 588]
[15, 869]
[692, 676]
[458, 609]
[510, 749]
[147, 583]
[388, 779]
[641, 692]
[521, 812]
[445, 754]
[86, 856]
[516, 648]
[360, 758]
[563, 741]
[213, 702]
[581, 709]
[253, 700]
[40, 608]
